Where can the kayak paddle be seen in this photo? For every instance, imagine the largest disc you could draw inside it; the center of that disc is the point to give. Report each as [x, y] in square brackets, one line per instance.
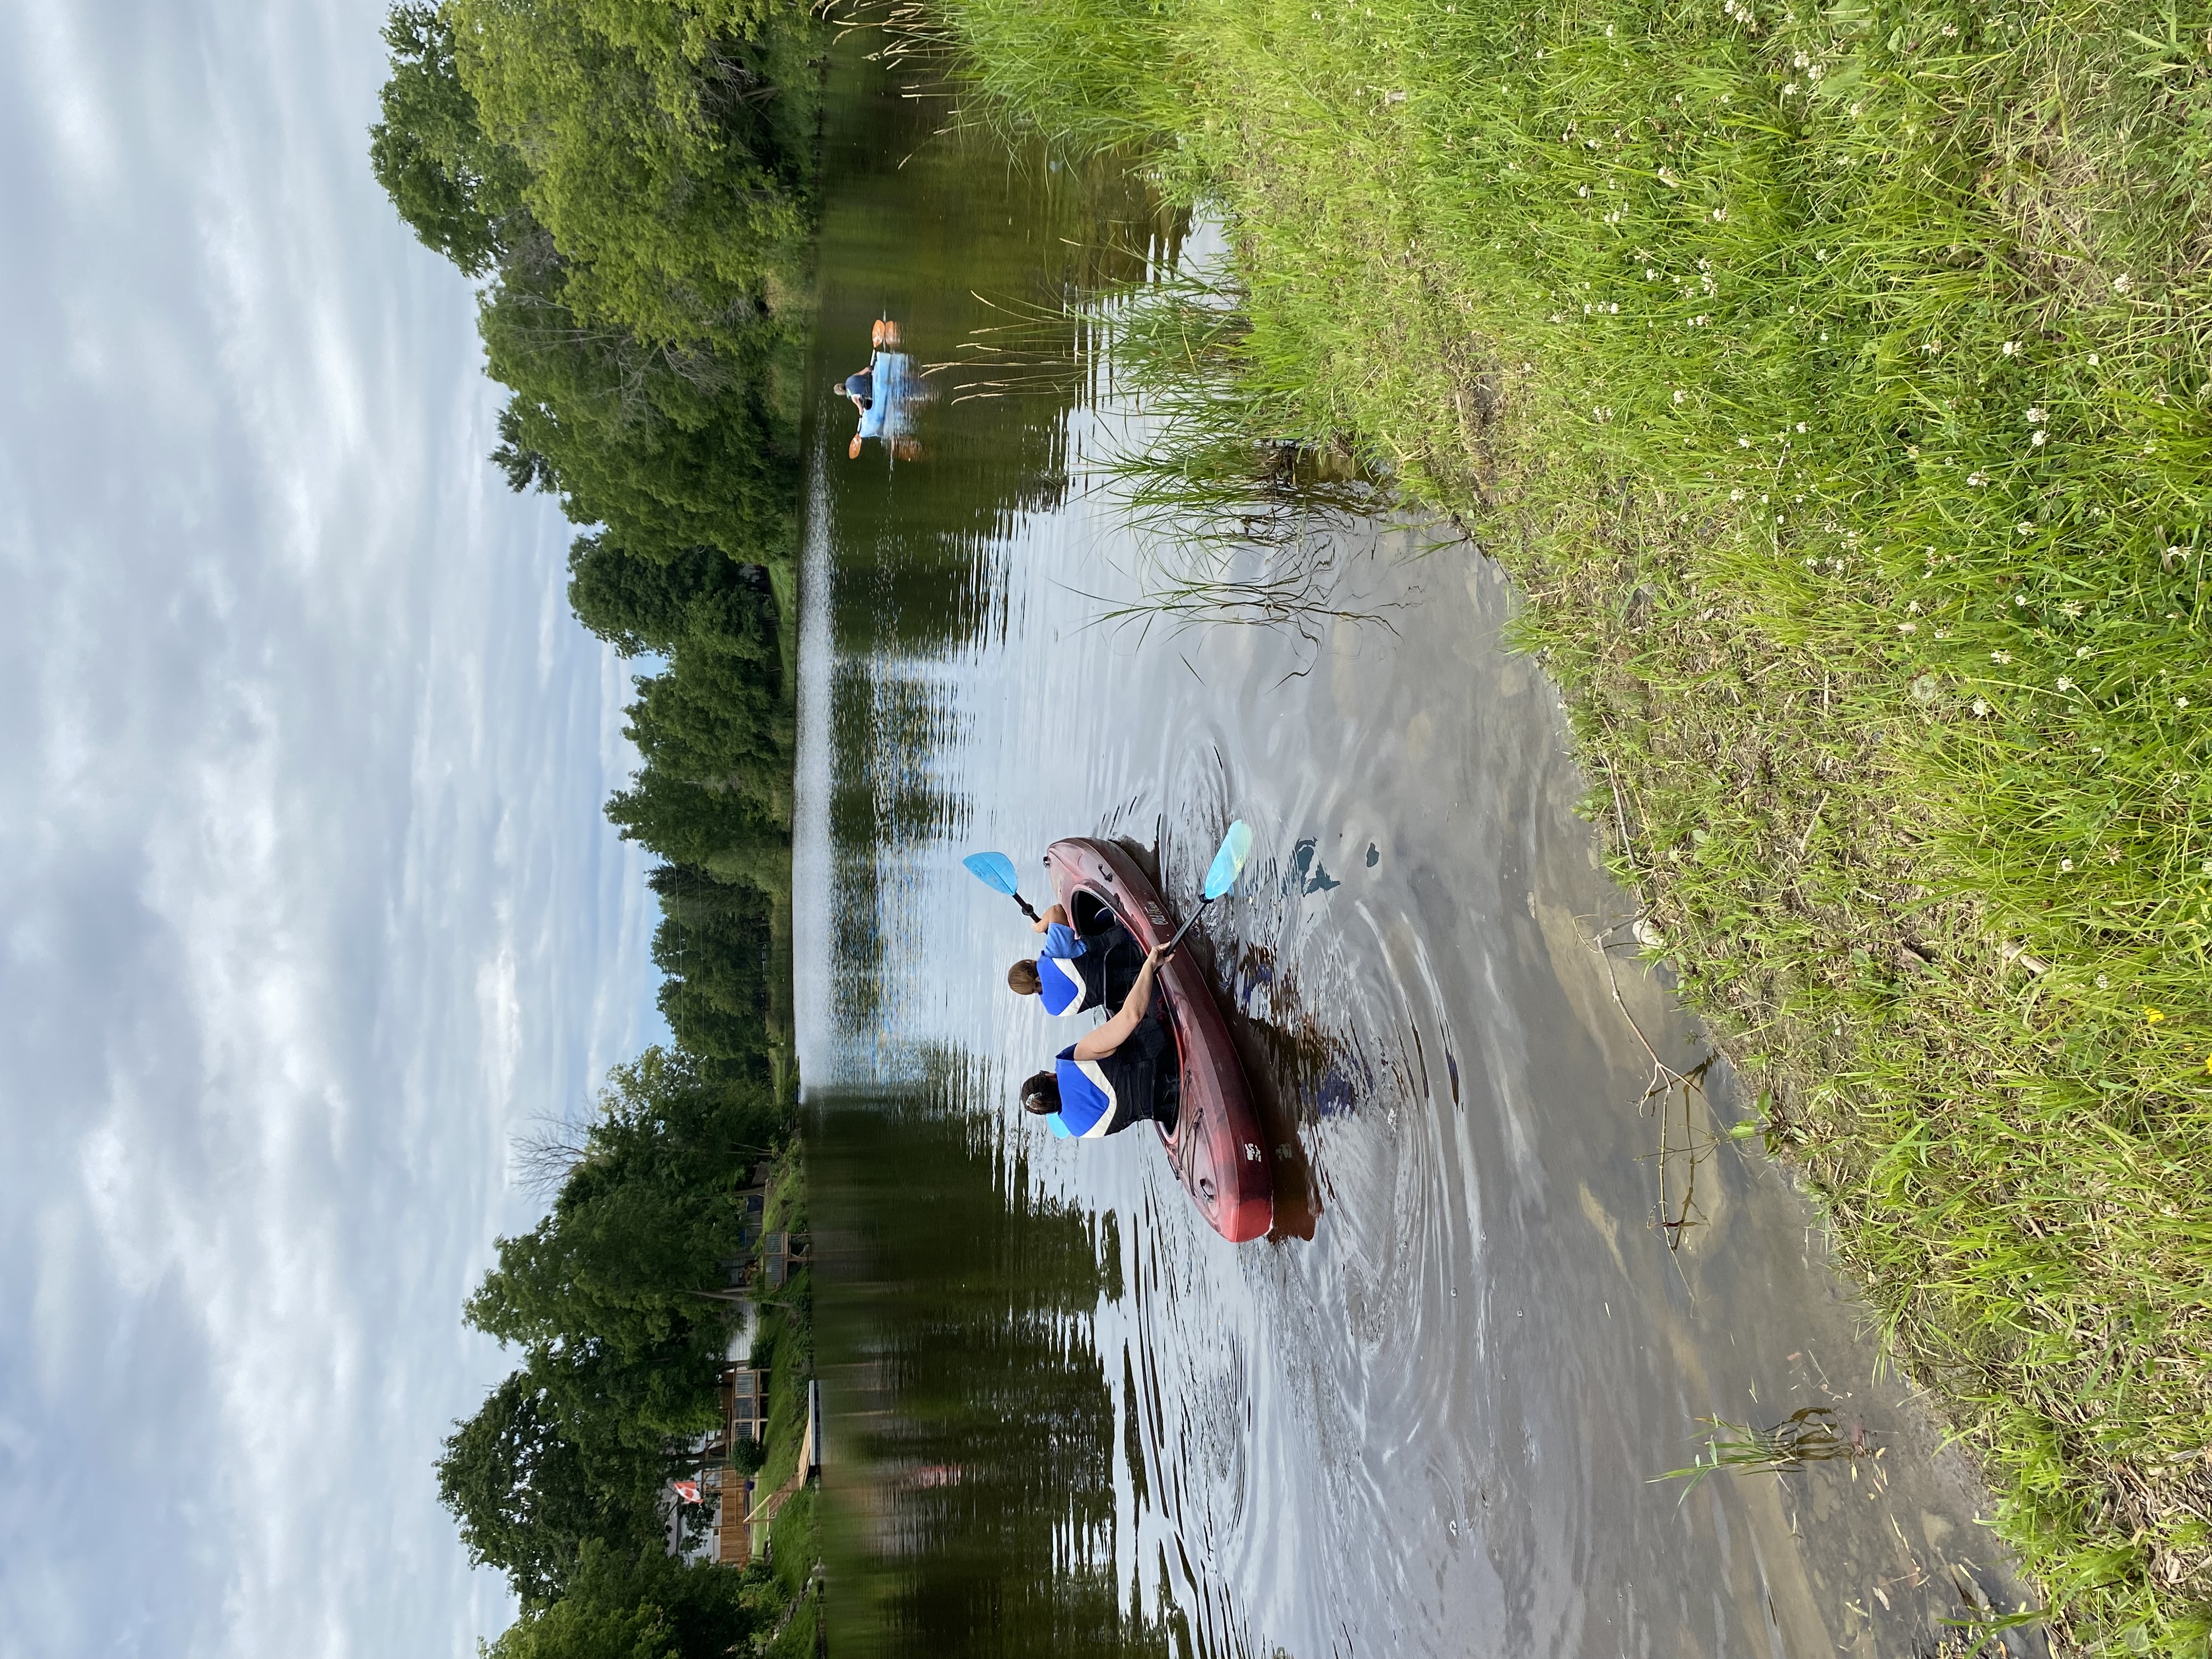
[996, 872]
[1221, 875]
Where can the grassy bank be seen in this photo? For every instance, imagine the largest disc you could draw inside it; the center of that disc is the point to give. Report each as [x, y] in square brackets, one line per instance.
[1834, 383]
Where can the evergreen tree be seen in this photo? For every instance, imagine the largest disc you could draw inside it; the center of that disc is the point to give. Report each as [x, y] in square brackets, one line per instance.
[641, 604]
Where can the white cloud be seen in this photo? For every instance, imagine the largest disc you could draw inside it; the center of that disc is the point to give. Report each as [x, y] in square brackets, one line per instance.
[310, 903]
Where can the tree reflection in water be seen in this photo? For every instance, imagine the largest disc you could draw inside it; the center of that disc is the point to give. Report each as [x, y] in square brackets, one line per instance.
[971, 1425]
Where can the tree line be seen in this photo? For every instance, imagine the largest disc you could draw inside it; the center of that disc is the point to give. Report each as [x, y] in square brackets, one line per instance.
[631, 184]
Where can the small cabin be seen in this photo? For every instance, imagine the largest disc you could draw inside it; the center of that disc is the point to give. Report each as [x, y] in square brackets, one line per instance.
[744, 1404]
[781, 1254]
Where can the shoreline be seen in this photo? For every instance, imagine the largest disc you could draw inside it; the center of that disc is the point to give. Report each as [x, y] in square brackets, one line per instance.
[1853, 518]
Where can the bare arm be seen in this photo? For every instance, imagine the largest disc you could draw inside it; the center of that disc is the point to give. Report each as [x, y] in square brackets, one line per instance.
[1102, 1042]
[1052, 913]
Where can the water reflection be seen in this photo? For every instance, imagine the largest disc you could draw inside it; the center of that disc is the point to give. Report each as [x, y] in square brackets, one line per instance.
[1426, 1416]
[975, 1510]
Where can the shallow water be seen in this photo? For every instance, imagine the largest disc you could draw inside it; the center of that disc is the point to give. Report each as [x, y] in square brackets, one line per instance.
[1424, 1417]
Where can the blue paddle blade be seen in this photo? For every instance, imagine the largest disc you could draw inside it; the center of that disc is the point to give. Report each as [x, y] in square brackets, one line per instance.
[1236, 847]
[995, 871]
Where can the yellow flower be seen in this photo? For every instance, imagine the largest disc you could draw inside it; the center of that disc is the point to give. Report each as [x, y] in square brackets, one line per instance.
[2207, 1062]
[2151, 1016]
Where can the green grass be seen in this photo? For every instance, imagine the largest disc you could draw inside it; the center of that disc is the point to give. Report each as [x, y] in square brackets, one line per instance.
[797, 1549]
[1834, 386]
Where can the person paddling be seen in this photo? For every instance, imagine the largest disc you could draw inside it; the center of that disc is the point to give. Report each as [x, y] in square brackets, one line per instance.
[880, 392]
[1123, 1073]
[1075, 971]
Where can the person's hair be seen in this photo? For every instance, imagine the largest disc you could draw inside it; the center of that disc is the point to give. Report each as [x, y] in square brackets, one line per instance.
[1041, 1094]
[1022, 979]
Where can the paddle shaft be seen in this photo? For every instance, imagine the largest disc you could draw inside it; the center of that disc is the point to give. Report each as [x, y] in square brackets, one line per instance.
[1185, 928]
[1025, 904]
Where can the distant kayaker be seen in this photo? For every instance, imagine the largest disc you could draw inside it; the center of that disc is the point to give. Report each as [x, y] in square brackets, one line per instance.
[1123, 1073]
[1075, 971]
[882, 392]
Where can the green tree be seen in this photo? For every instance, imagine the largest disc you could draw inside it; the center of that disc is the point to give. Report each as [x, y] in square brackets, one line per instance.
[615, 1296]
[636, 1605]
[640, 605]
[657, 162]
[711, 825]
[672, 447]
[717, 716]
[518, 1488]
[713, 945]
[460, 192]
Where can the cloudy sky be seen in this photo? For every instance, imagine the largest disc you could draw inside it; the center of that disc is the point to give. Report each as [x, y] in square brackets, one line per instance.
[308, 902]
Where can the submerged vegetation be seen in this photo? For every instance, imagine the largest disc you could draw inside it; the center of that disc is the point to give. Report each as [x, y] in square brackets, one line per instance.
[1833, 382]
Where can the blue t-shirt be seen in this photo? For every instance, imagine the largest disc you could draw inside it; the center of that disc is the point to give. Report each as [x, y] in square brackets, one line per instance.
[1059, 981]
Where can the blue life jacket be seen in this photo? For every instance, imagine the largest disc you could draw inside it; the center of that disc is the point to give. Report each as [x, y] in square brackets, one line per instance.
[1104, 1097]
[1088, 1109]
[1068, 980]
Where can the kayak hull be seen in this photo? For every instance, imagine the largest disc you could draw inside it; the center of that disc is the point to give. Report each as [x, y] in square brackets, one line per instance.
[1218, 1150]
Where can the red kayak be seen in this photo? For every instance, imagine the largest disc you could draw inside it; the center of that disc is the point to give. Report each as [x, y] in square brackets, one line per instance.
[1218, 1150]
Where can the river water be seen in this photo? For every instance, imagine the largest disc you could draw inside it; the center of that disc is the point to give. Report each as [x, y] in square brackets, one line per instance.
[1516, 1260]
